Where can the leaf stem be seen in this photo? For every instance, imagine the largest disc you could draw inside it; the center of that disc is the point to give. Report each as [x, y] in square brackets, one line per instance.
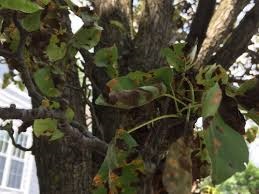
[175, 99]
[151, 121]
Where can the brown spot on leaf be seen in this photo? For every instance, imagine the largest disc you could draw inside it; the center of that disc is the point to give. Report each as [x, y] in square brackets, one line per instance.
[216, 145]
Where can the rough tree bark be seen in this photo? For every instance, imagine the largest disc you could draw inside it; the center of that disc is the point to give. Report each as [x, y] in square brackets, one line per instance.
[68, 166]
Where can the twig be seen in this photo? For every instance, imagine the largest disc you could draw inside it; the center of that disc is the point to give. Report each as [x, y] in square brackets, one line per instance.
[10, 133]
[25, 73]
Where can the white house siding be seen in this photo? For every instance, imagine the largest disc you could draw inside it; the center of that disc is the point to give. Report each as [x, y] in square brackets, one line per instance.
[29, 181]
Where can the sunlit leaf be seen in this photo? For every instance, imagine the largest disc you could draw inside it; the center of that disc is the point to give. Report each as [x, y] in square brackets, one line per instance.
[227, 149]
[25, 6]
[57, 134]
[44, 127]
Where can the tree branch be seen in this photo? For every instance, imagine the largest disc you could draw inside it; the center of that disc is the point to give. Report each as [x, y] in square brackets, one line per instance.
[238, 41]
[200, 24]
[220, 26]
[91, 142]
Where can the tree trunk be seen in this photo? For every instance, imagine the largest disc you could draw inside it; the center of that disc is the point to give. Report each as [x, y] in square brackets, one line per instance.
[62, 167]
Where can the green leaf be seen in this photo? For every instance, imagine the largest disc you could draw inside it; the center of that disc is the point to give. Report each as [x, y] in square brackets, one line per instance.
[175, 57]
[44, 127]
[25, 6]
[56, 50]
[6, 80]
[45, 2]
[164, 74]
[106, 57]
[31, 22]
[87, 38]
[43, 80]
[246, 86]
[254, 116]
[227, 149]
[57, 134]
[100, 190]
[211, 101]
[118, 25]
[69, 114]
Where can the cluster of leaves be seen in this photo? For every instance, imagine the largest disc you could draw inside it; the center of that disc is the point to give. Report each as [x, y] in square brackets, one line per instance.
[122, 167]
[130, 91]
[242, 182]
[46, 69]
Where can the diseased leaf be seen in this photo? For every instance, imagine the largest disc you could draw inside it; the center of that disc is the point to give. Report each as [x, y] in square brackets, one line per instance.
[211, 74]
[177, 177]
[211, 101]
[25, 6]
[43, 80]
[251, 134]
[227, 149]
[121, 167]
[31, 22]
[87, 38]
[56, 50]
[128, 99]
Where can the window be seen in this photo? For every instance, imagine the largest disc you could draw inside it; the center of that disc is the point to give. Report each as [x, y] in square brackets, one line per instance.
[11, 160]
[15, 176]
[22, 140]
[2, 165]
[3, 141]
